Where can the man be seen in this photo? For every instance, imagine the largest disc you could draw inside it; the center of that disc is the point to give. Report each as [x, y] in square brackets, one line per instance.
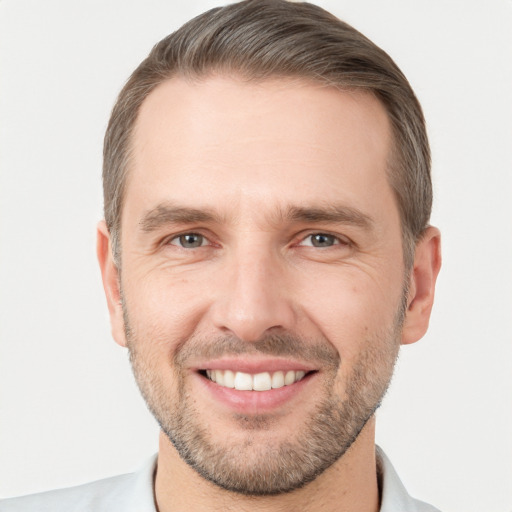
[265, 252]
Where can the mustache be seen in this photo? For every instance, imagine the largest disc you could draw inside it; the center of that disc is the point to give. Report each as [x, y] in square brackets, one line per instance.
[318, 352]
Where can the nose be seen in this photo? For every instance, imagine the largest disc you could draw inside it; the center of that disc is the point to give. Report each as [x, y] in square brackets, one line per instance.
[254, 298]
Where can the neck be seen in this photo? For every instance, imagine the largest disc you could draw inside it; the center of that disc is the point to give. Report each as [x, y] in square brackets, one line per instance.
[349, 485]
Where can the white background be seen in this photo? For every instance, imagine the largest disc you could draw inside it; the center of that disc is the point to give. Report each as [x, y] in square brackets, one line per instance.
[69, 409]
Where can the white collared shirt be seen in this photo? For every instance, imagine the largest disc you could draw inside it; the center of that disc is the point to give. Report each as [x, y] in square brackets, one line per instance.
[134, 492]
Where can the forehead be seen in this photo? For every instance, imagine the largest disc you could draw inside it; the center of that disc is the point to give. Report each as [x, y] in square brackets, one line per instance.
[222, 140]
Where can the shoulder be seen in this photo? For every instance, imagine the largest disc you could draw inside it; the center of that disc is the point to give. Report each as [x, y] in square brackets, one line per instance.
[91, 496]
[124, 493]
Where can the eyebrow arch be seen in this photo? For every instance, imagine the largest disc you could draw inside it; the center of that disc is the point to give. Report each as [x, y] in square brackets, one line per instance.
[330, 213]
[165, 214]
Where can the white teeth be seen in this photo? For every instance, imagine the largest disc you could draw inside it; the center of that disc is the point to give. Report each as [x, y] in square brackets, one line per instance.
[219, 377]
[289, 378]
[278, 380]
[262, 382]
[229, 379]
[243, 381]
[258, 382]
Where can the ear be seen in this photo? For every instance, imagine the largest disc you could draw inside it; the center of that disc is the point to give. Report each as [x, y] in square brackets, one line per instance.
[427, 263]
[111, 283]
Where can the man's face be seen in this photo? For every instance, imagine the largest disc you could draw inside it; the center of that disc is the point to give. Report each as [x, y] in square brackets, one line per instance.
[261, 248]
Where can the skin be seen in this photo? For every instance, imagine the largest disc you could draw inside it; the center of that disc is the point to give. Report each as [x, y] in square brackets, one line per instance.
[248, 153]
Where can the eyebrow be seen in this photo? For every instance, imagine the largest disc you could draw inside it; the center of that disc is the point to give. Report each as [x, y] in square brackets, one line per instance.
[165, 214]
[336, 214]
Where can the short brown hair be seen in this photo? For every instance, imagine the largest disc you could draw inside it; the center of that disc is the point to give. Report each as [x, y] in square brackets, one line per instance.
[261, 39]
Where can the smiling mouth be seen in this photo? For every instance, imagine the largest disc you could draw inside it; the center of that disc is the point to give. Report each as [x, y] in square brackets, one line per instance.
[263, 381]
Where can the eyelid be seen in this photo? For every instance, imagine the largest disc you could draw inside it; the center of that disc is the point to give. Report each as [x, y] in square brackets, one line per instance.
[169, 239]
[204, 240]
[340, 239]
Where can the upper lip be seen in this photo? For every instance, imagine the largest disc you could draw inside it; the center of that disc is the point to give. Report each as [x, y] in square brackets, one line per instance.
[253, 366]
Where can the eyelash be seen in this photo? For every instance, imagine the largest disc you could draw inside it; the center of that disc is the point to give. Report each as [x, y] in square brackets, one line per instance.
[337, 240]
[183, 235]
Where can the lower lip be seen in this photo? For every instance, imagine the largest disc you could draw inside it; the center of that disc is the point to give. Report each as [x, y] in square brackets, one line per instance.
[255, 402]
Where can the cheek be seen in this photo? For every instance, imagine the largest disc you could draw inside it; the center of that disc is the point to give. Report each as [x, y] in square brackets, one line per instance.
[164, 307]
[351, 307]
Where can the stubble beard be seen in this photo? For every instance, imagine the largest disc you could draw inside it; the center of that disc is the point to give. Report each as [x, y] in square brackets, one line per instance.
[268, 468]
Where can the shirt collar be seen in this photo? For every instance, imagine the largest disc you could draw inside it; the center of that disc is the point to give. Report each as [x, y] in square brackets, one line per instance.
[141, 495]
[394, 497]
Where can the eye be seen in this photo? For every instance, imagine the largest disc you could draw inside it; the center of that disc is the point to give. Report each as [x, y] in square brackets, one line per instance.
[189, 240]
[321, 240]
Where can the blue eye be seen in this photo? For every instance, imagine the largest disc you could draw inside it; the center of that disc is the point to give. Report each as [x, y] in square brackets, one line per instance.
[189, 240]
